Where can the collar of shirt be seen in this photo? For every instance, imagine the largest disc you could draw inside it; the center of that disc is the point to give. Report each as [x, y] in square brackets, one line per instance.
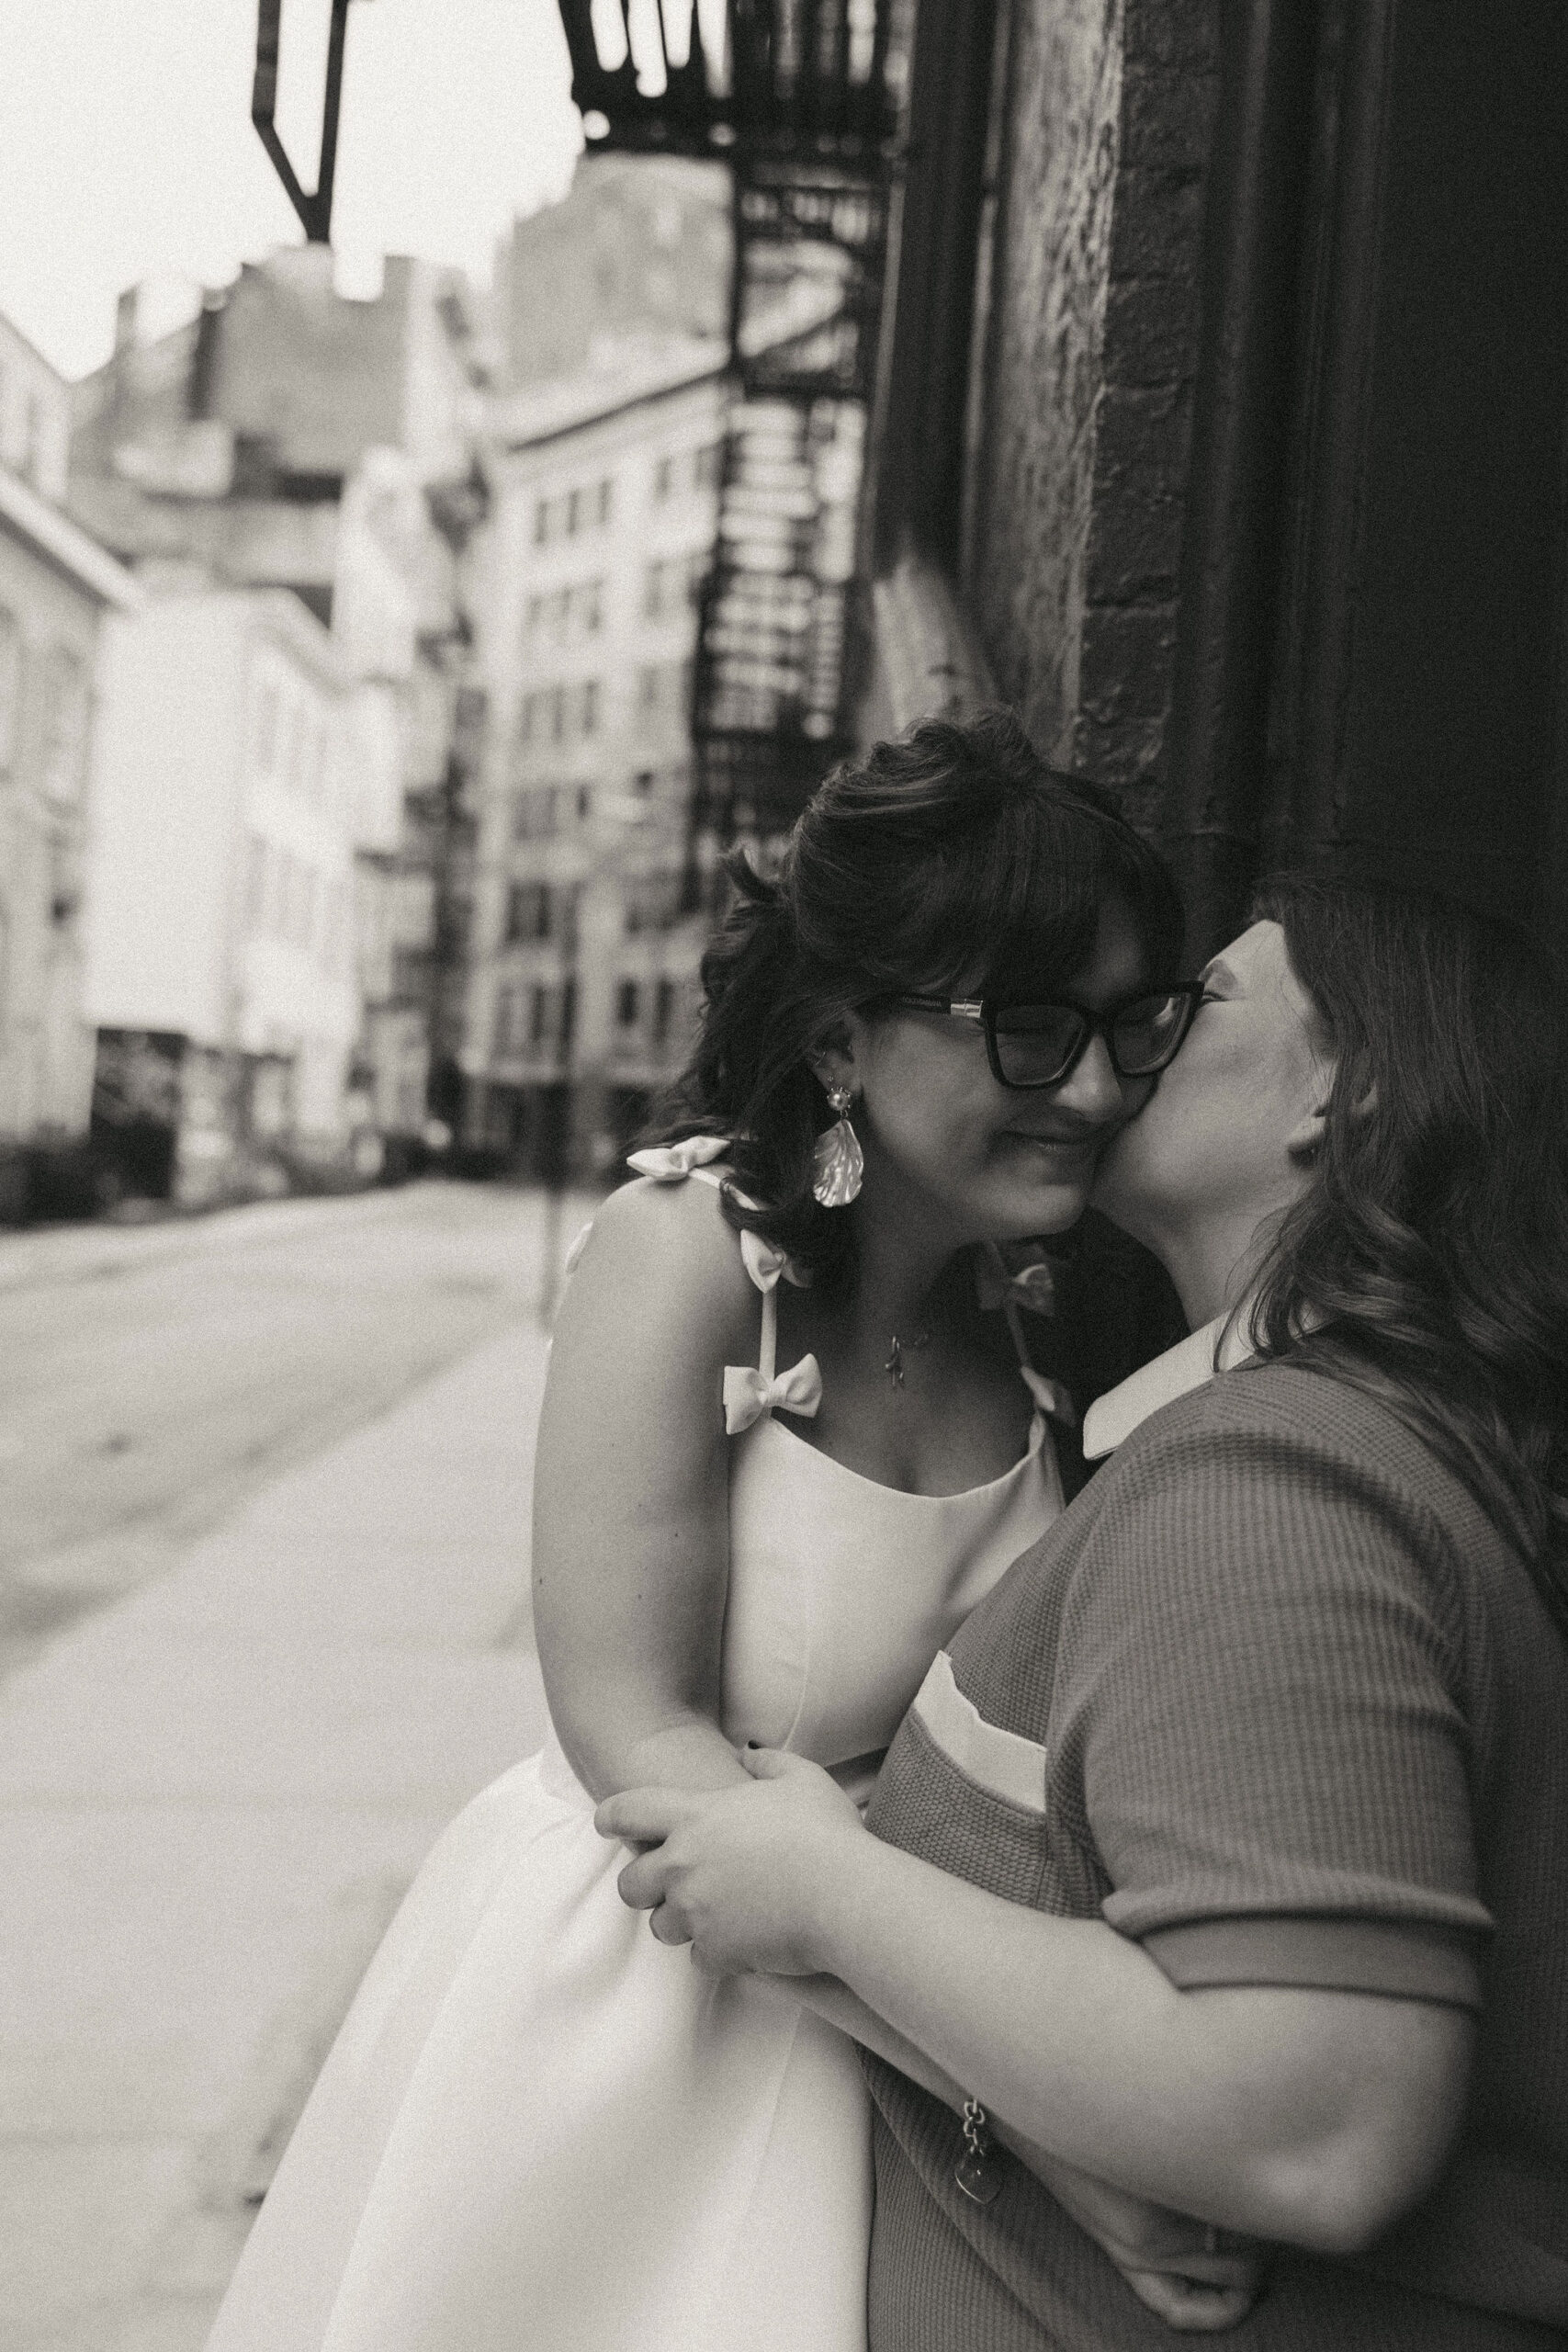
[1111, 1418]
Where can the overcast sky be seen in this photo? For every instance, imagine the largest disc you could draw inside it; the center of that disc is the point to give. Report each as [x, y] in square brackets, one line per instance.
[126, 151]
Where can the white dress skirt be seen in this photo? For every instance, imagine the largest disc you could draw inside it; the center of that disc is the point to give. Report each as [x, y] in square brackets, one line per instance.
[541, 2131]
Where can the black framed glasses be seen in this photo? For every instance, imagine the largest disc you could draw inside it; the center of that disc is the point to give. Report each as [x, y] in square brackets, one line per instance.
[1042, 1044]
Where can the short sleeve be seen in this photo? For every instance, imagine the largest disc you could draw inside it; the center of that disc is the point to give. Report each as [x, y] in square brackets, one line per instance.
[1261, 1706]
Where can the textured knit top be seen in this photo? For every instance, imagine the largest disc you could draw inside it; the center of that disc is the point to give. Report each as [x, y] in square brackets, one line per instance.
[1274, 1698]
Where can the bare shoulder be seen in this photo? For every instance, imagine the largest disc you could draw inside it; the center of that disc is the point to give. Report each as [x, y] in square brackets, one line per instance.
[663, 1264]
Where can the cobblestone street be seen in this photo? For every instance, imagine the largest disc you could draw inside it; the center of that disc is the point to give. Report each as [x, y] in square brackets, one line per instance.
[265, 1571]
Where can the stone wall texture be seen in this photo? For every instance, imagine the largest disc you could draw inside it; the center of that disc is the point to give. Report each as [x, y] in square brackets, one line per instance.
[1081, 455]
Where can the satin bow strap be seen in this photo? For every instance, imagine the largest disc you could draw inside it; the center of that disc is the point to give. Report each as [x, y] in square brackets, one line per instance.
[1032, 1287]
[672, 1163]
[765, 1264]
[748, 1394]
[1049, 1394]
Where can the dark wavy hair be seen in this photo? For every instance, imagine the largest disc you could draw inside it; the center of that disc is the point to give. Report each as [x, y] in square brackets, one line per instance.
[1428, 1262]
[955, 861]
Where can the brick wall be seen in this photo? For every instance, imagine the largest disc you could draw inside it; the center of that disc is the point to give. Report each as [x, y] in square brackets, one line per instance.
[1091, 346]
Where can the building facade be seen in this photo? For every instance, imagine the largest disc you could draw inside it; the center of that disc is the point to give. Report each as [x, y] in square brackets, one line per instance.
[220, 969]
[639, 245]
[583, 965]
[56, 584]
[283, 436]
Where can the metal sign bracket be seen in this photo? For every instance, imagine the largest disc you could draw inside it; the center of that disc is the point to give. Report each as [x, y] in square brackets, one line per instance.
[313, 206]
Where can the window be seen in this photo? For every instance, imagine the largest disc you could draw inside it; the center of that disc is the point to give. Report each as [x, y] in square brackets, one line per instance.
[538, 1015]
[32, 452]
[663, 1006]
[606, 500]
[295, 901]
[534, 815]
[653, 592]
[573, 512]
[255, 882]
[528, 718]
[266, 727]
[648, 683]
[708, 465]
[585, 800]
[533, 617]
[663, 477]
[627, 1002]
[527, 912]
[10, 685]
[541, 522]
[558, 714]
[590, 705]
[504, 1031]
[593, 607]
[642, 784]
[333, 945]
[288, 750]
[65, 725]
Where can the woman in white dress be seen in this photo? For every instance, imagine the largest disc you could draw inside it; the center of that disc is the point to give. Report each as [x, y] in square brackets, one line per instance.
[540, 2127]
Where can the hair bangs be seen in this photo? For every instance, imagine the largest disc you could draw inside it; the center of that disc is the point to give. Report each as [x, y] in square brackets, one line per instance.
[1040, 886]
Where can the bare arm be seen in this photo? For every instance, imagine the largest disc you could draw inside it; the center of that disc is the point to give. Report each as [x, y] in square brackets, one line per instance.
[631, 1549]
[1313, 2118]
[1169, 2260]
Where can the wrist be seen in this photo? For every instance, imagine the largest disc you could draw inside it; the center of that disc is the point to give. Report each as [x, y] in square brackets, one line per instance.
[690, 1754]
[835, 1900]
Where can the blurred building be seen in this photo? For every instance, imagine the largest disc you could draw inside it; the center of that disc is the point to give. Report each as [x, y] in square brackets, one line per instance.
[639, 245]
[277, 435]
[220, 973]
[56, 584]
[601, 535]
[292, 381]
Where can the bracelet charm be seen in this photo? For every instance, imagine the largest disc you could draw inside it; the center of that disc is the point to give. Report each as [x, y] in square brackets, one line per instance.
[975, 2172]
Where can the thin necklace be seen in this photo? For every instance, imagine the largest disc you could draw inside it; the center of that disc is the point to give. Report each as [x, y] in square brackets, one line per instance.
[894, 1363]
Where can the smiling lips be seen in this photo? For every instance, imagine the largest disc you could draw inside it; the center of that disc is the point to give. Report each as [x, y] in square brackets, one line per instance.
[1064, 1146]
[1080, 1140]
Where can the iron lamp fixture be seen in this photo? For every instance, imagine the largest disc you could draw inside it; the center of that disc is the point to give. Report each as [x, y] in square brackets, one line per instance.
[314, 205]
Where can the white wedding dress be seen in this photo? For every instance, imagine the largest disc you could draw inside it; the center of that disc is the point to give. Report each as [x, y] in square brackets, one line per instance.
[539, 2129]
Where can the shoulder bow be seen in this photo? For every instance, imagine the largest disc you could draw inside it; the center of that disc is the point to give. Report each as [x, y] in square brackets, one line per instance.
[1032, 1287]
[748, 1394]
[765, 1264]
[1049, 1394]
[672, 1163]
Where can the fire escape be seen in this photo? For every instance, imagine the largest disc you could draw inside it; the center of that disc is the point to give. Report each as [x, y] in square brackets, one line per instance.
[801, 99]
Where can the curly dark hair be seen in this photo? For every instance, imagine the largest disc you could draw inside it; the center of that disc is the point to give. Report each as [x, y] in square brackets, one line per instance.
[1428, 1262]
[955, 860]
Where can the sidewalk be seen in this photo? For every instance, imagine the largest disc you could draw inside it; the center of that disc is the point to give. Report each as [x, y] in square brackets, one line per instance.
[211, 1797]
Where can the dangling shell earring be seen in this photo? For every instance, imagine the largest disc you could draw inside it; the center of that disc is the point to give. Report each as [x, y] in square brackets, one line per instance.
[838, 1162]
